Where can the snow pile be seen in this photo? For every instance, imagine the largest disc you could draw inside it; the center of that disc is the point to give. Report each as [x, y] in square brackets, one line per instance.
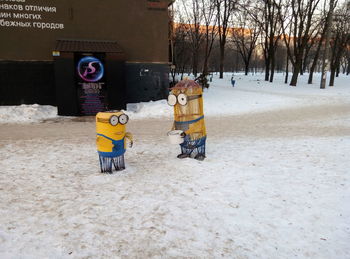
[152, 109]
[26, 113]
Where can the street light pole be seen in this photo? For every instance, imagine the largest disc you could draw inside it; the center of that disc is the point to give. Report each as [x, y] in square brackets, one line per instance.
[326, 45]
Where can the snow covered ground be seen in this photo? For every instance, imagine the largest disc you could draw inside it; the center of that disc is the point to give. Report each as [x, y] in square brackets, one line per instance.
[250, 94]
[253, 94]
[275, 184]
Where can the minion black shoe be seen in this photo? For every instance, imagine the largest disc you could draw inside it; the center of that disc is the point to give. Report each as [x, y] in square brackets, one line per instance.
[199, 157]
[183, 155]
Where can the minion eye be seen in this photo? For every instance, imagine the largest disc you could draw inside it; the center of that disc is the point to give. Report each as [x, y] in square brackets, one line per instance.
[123, 119]
[172, 100]
[113, 120]
[182, 99]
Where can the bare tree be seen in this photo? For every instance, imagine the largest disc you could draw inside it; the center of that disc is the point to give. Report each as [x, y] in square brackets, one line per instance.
[194, 19]
[347, 62]
[329, 21]
[287, 56]
[264, 13]
[210, 31]
[344, 63]
[272, 29]
[182, 46]
[244, 36]
[315, 33]
[301, 14]
[340, 40]
[319, 40]
[224, 11]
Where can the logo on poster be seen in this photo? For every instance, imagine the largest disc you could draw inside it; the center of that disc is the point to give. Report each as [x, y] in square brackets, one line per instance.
[90, 69]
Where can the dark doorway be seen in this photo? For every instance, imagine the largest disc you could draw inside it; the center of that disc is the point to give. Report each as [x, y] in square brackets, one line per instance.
[90, 77]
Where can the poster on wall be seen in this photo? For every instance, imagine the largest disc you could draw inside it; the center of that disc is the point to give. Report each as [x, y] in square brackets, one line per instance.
[91, 83]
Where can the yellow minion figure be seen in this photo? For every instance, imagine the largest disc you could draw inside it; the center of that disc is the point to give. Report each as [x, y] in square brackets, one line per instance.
[110, 139]
[186, 98]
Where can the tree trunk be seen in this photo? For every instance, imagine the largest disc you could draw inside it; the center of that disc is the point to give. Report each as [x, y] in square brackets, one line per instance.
[182, 72]
[338, 70]
[301, 67]
[205, 66]
[222, 58]
[312, 69]
[326, 47]
[267, 69]
[206, 57]
[305, 66]
[331, 80]
[296, 71]
[273, 61]
[195, 64]
[287, 70]
[246, 68]
[314, 62]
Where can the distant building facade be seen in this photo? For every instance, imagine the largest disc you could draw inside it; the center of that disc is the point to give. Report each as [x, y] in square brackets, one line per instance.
[83, 55]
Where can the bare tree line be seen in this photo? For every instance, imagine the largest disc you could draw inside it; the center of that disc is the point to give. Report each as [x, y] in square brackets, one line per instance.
[262, 35]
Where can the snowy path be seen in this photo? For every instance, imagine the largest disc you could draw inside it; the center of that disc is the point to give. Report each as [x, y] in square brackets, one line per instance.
[274, 185]
[304, 121]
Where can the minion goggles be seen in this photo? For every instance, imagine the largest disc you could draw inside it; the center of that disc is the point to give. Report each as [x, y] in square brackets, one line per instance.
[114, 119]
[182, 99]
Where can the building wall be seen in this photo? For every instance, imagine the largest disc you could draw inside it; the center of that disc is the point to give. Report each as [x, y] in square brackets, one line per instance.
[139, 29]
[29, 30]
[27, 82]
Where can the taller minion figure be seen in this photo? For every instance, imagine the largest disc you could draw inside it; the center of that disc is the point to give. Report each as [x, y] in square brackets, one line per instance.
[186, 98]
[111, 138]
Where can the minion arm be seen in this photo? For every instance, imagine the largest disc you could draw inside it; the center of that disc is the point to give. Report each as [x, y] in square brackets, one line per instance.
[128, 135]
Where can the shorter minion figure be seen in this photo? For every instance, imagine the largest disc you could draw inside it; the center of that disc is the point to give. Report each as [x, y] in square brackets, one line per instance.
[186, 98]
[110, 139]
